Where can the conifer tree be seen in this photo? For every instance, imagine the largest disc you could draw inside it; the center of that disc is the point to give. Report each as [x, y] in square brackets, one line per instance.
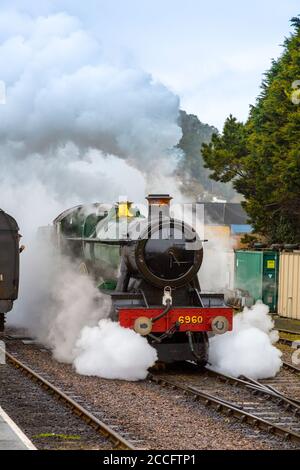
[262, 156]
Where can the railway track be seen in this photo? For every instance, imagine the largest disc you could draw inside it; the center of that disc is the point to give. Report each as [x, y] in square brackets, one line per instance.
[256, 403]
[287, 341]
[259, 404]
[117, 441]
[288, 344]
[289, 337]
[292, 368]
[285, 385]
[289, 332]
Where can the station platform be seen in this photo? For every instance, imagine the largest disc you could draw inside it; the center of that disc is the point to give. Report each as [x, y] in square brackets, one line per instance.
[11, 436]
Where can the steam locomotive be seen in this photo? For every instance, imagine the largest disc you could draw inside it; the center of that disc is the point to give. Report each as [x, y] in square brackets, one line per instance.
[9, 264]
[148, 266]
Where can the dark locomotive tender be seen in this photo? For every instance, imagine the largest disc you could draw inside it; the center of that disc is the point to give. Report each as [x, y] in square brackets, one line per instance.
[9, 264]
[149, 266]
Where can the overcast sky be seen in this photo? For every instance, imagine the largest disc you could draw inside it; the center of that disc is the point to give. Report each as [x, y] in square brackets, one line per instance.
[211, 53]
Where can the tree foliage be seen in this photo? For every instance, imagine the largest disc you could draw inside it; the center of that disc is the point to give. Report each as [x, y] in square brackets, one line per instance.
[262, 156]
[194, 177]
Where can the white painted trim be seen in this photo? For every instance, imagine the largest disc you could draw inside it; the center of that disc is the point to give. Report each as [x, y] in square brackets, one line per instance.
[17, 430]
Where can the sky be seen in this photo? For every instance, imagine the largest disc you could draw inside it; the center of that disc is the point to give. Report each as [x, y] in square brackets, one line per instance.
[211, 53]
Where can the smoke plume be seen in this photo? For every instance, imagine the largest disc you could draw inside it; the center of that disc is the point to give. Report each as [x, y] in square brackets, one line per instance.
[67, 105]
[110, 351]
[68, 314]
[76, 127]
[248, 349]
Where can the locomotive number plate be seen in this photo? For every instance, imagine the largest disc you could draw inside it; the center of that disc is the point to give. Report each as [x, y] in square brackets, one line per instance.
[188, 319]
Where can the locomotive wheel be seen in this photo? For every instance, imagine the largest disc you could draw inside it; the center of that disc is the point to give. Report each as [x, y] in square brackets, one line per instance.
[2, 322]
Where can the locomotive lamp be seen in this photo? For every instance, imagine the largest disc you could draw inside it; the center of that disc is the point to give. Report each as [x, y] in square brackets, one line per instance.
[220, 325]
[143, 325]
[124, 209]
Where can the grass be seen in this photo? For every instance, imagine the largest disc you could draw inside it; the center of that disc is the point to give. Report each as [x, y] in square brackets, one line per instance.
[64, 437]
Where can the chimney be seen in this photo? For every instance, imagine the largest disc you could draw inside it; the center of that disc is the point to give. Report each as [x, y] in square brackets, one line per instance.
[159, 205]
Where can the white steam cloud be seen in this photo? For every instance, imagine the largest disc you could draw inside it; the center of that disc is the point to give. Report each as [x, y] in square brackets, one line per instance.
[76, 127]
[248, 349]
[65, 98]
[113, 352]
[69, 316]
